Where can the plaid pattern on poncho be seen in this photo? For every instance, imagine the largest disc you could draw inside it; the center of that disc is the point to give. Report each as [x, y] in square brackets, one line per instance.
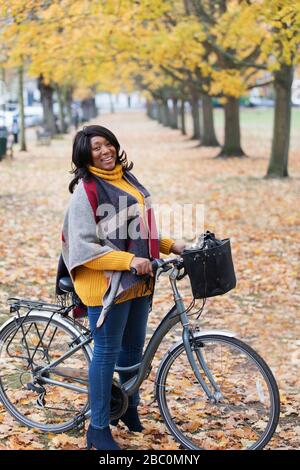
[101, 218]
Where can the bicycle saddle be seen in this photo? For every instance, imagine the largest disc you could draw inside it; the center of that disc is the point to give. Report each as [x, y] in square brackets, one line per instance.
[66, 284]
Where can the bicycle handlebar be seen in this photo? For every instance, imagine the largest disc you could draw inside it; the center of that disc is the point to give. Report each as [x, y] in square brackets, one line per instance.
[160, 263]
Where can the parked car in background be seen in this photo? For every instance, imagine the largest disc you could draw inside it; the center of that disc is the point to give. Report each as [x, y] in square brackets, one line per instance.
[7, 118]
[256, 98]
[33, 117]
[261, 101]
[296, 92]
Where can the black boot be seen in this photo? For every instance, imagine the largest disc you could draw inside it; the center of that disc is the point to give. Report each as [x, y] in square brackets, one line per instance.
[131, 419]
[101, 439]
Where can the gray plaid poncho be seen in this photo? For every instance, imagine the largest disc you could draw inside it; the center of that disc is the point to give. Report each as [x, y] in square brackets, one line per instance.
[101, 218]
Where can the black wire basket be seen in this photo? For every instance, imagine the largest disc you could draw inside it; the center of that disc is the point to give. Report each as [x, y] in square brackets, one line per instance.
[210, 267]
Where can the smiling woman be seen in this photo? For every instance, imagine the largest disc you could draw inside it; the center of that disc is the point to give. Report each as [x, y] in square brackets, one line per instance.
[99, 259]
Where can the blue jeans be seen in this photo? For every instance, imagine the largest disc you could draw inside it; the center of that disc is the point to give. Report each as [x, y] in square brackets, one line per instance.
[120, 340]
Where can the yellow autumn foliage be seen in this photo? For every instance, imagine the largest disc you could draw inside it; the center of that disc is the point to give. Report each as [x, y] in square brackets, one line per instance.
[106, 44]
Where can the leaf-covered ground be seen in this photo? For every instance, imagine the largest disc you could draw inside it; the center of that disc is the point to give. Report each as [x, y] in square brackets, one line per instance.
[260, 216]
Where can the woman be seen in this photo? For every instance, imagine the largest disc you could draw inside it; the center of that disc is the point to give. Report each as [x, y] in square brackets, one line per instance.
[109, 228]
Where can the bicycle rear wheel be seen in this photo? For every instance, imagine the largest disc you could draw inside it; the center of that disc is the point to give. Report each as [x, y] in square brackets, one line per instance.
[244, 417]
[23, 352]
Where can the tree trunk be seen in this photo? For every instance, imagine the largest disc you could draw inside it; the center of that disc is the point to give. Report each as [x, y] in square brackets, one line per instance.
[152, 109]
[174, 123]
[166, 114]
[85, 110]
[209, 138]
[68, 101]
[93, 107]
[182, 117]
[21, 107]
[232, 141]
[89, 109]
[195, 116]
[278, 165]
[47, 103]
[159, 112]
[155, 109]
[112, 108]
[62, 122]
[148, 108]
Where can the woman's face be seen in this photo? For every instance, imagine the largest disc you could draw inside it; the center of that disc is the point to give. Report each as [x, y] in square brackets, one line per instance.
[104, 154]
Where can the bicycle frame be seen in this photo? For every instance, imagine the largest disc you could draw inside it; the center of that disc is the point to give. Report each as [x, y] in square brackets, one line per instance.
[175, 315]
[45, 328]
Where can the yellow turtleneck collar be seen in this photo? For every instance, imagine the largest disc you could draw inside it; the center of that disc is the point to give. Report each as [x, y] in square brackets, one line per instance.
[110, 175]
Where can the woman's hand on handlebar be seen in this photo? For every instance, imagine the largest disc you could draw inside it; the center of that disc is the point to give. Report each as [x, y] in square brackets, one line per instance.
[178, 247]
[142, 266]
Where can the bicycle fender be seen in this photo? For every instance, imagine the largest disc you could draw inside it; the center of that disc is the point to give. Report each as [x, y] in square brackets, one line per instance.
[199, 334]
[63, 321]
[231, 334]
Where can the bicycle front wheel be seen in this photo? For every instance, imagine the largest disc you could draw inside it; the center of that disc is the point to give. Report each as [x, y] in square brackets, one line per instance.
[245, 414]
[26, 346]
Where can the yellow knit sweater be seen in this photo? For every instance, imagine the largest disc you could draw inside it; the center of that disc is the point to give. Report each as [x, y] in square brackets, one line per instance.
[90, 281]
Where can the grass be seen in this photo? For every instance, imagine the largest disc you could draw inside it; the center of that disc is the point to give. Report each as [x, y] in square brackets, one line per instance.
[259, 123]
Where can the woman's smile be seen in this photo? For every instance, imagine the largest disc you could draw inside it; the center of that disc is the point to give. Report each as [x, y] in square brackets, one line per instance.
[107, 159]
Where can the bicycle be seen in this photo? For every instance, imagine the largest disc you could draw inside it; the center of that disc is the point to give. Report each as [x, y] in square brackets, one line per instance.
[213, 390]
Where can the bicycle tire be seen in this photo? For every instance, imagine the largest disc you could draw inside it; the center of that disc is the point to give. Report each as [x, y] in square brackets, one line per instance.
[161, 389]
[68, 331]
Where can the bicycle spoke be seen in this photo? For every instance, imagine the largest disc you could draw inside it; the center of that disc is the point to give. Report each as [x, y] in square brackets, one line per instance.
[20, 386]
[242, 416]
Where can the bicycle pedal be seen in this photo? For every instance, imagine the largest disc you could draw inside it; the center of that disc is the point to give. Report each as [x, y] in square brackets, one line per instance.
[35, 388]
[79, 422]
[41, 402]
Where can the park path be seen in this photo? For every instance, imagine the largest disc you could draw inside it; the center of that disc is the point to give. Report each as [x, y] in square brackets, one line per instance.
[260, 217]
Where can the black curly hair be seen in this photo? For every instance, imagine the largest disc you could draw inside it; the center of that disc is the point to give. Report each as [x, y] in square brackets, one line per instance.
[82, 153]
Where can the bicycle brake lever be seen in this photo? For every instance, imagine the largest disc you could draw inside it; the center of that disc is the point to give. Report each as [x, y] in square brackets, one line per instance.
[162, 269]
[158, 273]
